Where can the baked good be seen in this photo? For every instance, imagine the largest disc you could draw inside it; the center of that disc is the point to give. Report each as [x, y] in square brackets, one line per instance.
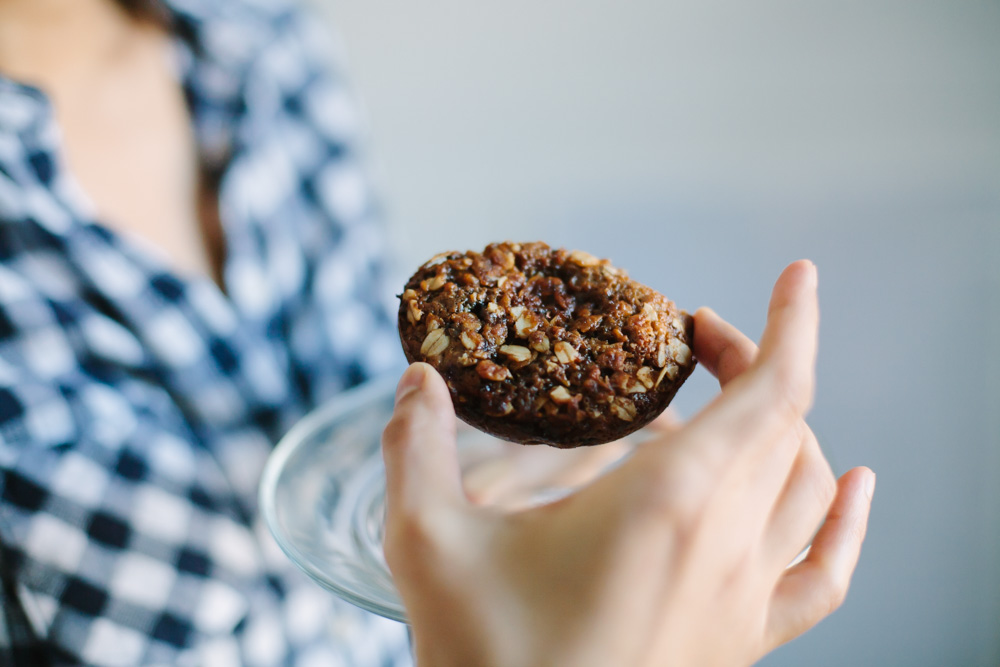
[542, 345]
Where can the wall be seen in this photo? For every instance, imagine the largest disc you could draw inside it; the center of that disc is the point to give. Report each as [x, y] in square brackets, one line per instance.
[703, 146]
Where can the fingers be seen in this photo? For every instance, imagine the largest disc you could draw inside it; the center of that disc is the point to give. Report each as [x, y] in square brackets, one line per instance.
[788, 346]
[802, 505]
[811, 486]
[667, 421]
[762, 403]
[514, 480]
[727, 353]
[751, 434]
[720, 347]
[418, 445]
[814, 588]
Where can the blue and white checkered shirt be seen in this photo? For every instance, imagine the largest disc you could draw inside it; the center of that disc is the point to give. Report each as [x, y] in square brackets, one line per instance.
[137, 407]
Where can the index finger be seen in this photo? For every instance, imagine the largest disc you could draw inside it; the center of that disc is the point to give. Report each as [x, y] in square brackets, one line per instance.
[787, 358]
[776, 391]
[720, 348]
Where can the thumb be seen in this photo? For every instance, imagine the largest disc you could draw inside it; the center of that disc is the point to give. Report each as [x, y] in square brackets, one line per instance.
[418, 446]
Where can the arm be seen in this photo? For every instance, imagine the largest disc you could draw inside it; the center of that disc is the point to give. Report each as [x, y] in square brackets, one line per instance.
[676, 557]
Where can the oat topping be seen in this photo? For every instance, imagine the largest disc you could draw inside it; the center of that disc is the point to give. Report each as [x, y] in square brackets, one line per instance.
[561, 395]
[546, 345]
[624, 409]
[435, 343]
[565, 352]
[491, 371]
[412, 312]
[516, 352]
[539, 342]
[645, 376]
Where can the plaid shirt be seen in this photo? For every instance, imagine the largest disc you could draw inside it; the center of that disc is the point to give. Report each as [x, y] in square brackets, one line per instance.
[137, 407]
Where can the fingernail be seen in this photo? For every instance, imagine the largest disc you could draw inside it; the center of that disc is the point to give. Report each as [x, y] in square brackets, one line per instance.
[412, 380]
[814, 271]
[707, 312]
[870, 485]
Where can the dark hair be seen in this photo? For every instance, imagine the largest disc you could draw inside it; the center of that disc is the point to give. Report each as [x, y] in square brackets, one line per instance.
[150, 10]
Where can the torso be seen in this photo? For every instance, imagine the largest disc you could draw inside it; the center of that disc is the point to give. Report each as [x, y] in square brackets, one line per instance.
[140, 408]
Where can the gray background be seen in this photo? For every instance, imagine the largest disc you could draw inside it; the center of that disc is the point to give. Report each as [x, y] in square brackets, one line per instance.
[703, 145]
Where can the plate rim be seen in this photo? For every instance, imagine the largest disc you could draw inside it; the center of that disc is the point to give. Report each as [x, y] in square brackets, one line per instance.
[288, 444]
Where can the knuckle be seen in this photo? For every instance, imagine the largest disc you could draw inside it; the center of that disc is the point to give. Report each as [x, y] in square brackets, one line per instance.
[673, 492]
[835, 593]
[832, 591]
[410, 537]
[399, 431]
[435, 524]
[793, 389]
[823, 499]
[827, 487]
[404, 555]
[856, 533]
[824, 485]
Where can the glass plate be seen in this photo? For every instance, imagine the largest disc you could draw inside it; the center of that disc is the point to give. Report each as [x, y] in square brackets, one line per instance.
[322, 493]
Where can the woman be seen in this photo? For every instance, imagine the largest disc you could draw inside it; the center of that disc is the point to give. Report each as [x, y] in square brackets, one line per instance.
[140, 397]
[188, 264]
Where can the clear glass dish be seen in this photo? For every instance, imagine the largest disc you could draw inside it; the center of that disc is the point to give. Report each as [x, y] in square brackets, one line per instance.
[322, 493]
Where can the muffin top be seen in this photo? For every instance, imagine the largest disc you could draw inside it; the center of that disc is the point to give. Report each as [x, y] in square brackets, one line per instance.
[542, 345]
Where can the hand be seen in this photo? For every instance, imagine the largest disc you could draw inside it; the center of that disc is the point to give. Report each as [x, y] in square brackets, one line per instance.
[677, 557]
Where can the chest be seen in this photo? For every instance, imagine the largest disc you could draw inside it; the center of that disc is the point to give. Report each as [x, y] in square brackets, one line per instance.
[128, 142]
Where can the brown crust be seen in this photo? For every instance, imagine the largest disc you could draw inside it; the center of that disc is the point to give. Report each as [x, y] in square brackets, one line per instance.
[546, 346]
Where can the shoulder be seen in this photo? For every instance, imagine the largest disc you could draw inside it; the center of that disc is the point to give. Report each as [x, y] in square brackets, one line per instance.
[246, 30]
[257, 69]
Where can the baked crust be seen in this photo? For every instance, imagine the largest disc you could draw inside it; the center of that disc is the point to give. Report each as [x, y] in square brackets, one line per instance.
[546, 346]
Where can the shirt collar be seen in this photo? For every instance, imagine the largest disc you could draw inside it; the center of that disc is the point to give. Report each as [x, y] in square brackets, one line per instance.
[24, 109]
